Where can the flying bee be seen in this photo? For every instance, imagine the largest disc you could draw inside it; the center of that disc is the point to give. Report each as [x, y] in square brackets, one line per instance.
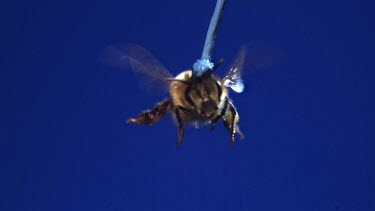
[198, 96]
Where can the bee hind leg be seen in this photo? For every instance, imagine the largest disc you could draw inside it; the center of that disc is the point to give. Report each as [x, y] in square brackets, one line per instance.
[230, 122]
[239, 132]
[152, 116]
[180, 127]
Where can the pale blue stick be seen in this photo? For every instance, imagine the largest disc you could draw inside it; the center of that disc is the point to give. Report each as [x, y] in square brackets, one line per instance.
[212, 30]
[204, 65]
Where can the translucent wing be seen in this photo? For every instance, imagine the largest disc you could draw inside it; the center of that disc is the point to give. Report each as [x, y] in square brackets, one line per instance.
[263, 56]
[233, 77]
[136, 58]
[139, 60]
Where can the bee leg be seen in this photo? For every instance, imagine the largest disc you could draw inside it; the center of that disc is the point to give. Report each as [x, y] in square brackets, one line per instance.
[218, 117]
[239, 132]
[213, 121]
[230, 122]
[212, 126]
[150, 117]
[180, 127]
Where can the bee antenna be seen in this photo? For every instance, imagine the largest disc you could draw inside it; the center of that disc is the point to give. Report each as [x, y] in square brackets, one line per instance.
[218, 64]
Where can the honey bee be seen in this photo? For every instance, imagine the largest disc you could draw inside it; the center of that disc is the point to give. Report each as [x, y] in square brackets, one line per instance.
[197, 96]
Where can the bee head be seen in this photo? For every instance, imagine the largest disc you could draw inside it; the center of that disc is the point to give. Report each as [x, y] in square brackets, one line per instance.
[202, 68]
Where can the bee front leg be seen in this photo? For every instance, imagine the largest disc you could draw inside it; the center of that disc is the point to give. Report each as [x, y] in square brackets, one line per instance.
[150, 117]
[180, 127]
[218, 117]
[213, 121]
[230, 122]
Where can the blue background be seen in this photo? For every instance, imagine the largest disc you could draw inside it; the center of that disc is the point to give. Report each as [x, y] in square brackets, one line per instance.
[308, 118]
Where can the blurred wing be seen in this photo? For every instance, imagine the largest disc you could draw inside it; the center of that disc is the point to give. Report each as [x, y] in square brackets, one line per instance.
[233, 78]
[139, 60]
[136, 58]
[263, 56]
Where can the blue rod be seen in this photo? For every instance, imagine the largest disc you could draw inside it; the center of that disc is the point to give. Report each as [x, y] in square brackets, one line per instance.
[212, 30]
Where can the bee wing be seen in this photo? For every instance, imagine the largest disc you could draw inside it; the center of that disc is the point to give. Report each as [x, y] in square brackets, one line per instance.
[233, 77]
[139, 60]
